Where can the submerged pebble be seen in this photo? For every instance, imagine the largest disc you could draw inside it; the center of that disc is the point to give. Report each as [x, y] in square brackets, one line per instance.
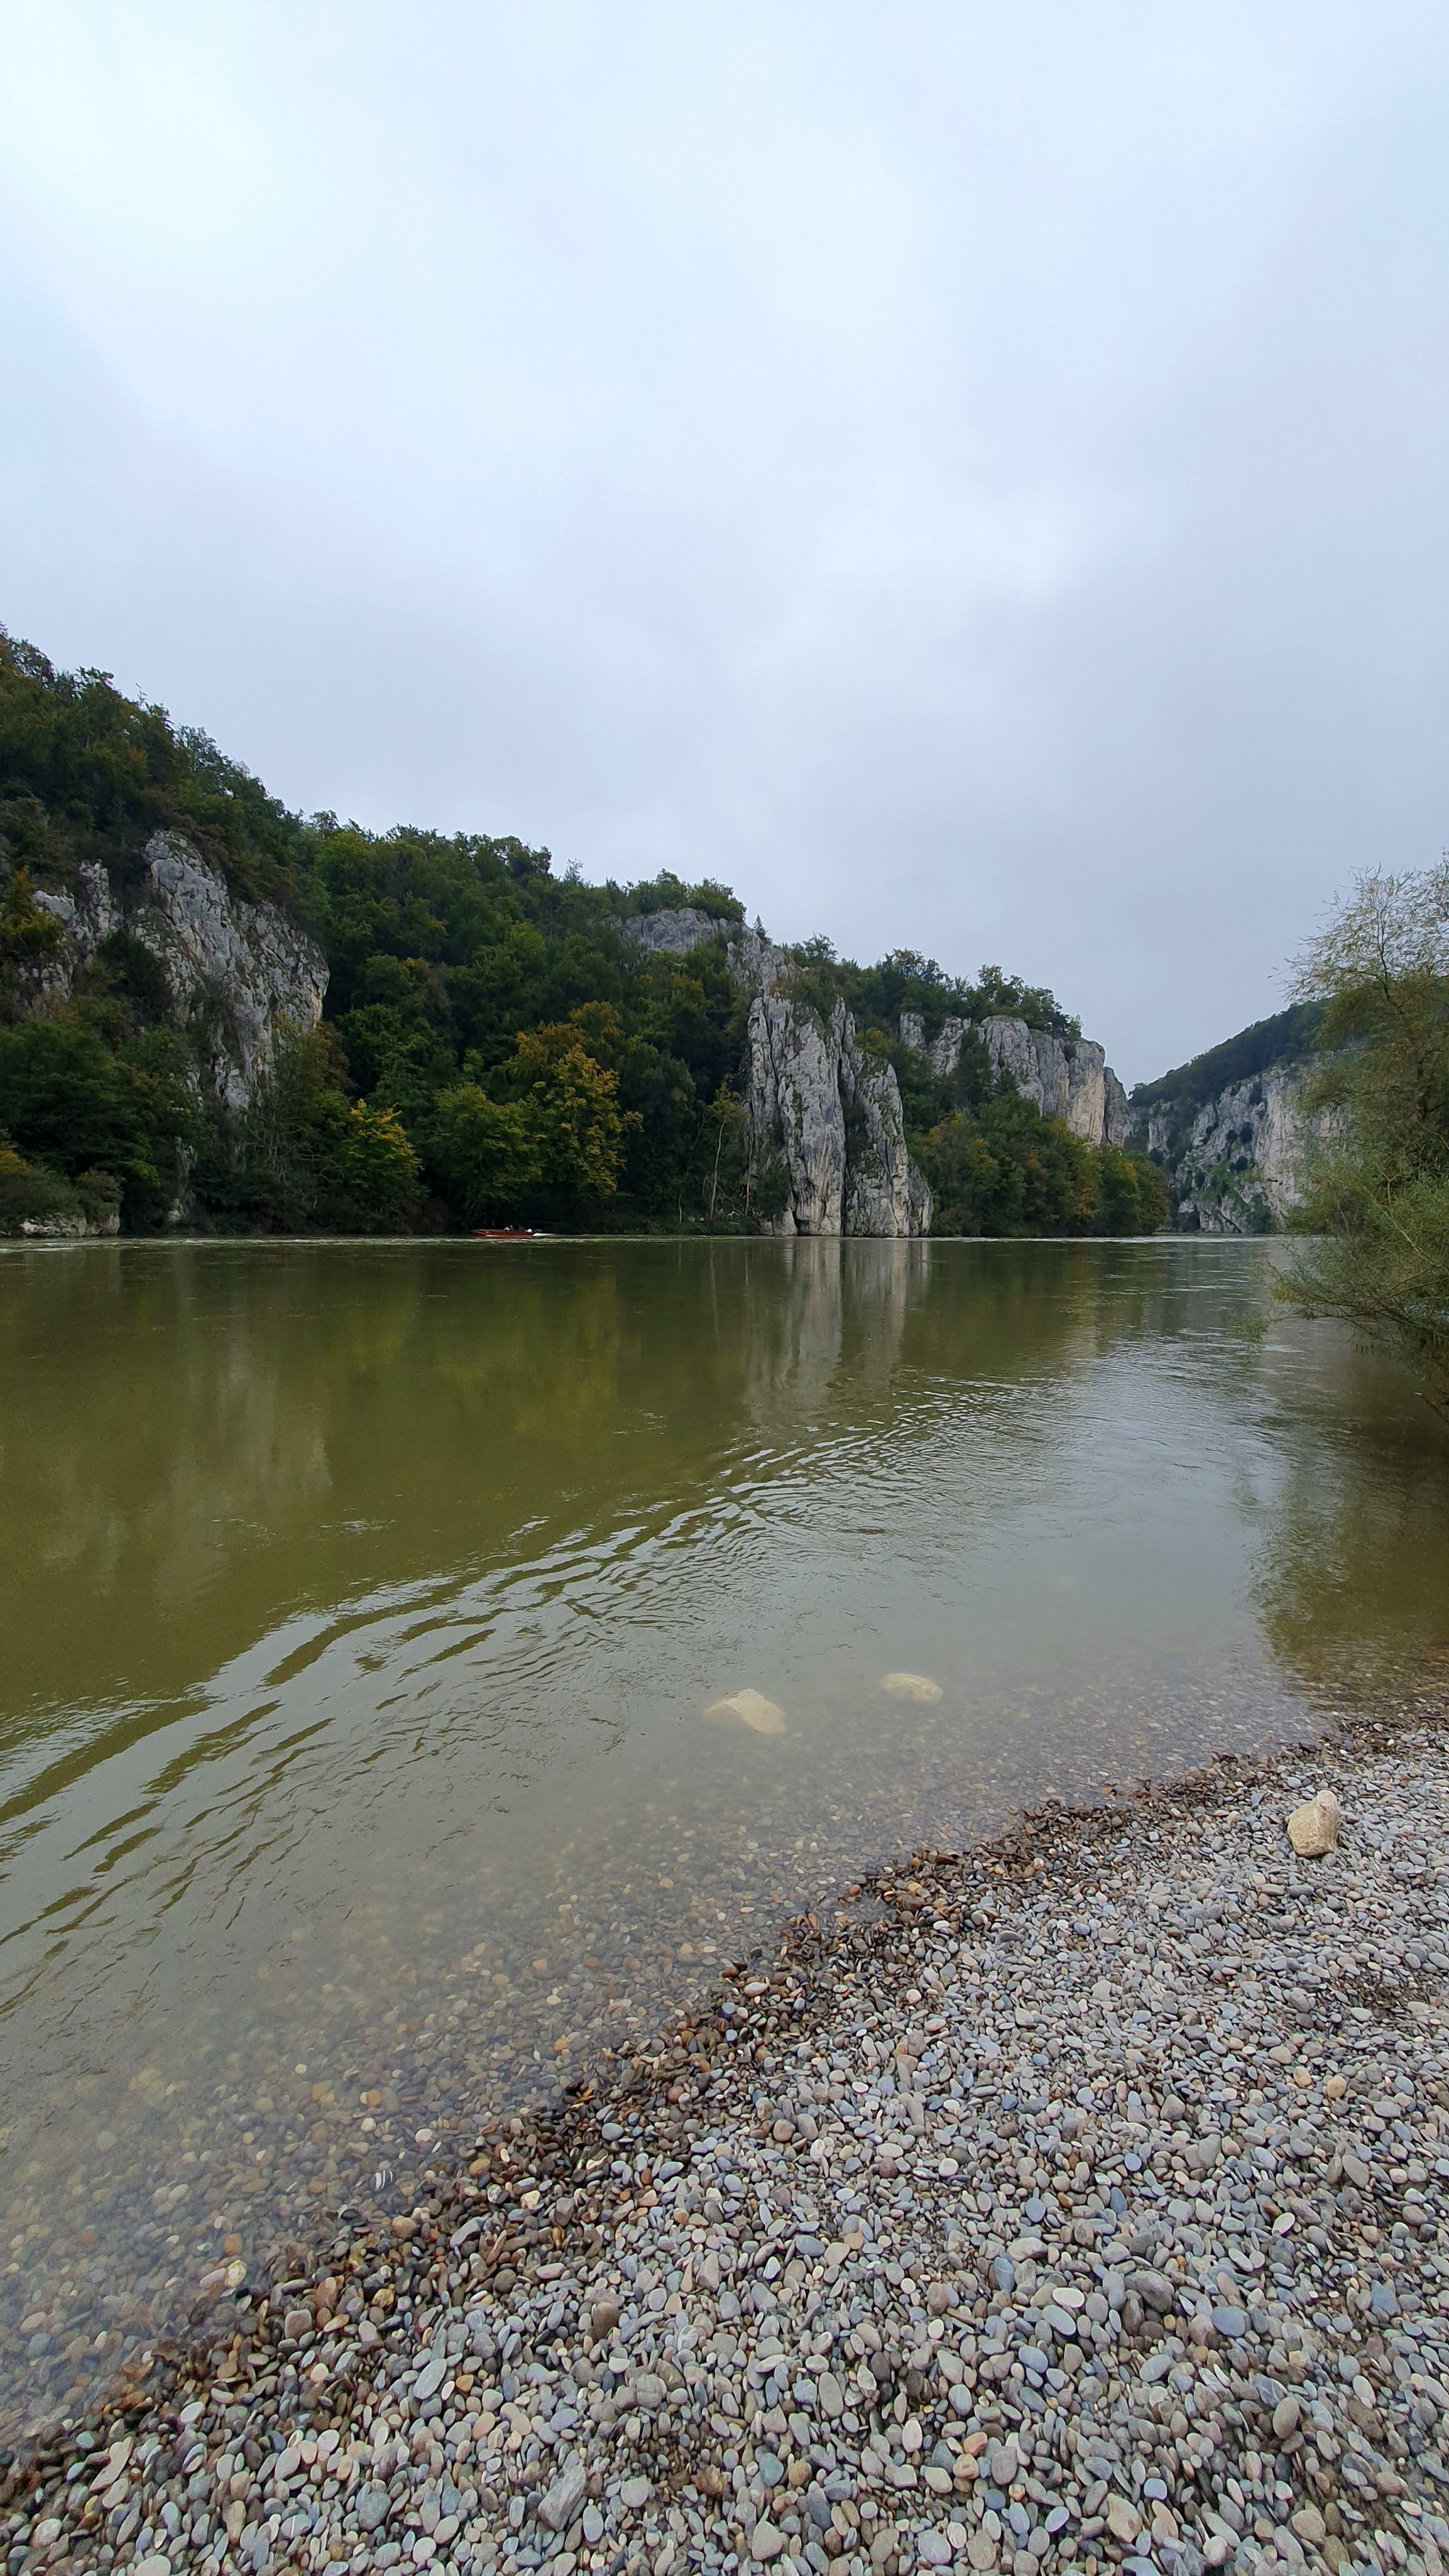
[749, 1709]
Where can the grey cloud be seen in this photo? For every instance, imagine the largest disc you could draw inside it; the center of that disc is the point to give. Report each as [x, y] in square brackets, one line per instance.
[970, 477]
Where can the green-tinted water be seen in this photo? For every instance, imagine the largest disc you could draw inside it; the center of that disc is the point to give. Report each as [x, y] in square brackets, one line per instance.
[362, 1604]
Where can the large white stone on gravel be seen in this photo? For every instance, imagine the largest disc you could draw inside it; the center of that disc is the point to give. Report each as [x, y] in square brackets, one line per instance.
[1314, 1829]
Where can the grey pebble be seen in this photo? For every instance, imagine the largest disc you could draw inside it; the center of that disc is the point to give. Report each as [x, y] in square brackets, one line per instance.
[1085, 2239]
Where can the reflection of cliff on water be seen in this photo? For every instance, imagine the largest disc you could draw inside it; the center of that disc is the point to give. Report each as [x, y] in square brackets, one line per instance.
[209, 1439]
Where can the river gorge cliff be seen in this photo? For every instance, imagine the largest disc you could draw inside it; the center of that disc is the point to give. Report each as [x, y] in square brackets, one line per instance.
[830, 1115]
[1067, 1078]
[236, 973]
[1235, 1130]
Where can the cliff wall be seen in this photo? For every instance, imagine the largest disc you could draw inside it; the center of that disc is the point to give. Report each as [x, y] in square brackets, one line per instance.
[1067, 1078]
[236, 972]
[832, 1116]
[1240, 1166]
[1230, 1130]
[821, 1110]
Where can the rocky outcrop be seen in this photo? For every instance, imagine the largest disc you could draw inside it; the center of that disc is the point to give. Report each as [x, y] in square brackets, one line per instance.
[672, 934]
[830, 1114]
[236, 972]
[1231, 1130]
[1239, 1167]
[1067, 1078]
[824, 1112]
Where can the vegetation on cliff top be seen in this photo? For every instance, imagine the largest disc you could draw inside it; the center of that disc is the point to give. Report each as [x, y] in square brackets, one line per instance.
[495, 1047]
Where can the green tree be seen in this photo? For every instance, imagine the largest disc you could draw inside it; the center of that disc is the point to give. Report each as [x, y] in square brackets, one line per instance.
[310, 1156]
[1378, 1201]
[1133, 1197]
[68, 1102]
[571, 1110]
[1002, 1168]
[482, 1152]
[374, 1179]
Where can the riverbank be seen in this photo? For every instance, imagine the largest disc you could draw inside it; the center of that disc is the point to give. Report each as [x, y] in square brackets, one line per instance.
[1080, 2202]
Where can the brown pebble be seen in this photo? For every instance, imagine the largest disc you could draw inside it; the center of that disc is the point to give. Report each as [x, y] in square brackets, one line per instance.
[603, 2319]
[404, 2228]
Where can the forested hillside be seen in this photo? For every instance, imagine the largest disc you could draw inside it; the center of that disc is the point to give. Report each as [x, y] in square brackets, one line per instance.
[495, 1046]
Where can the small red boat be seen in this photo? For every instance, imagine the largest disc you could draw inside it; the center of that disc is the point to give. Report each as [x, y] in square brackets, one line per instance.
[503, 1234]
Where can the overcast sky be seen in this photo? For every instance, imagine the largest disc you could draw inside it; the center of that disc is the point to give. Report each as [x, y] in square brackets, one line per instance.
[972, 476]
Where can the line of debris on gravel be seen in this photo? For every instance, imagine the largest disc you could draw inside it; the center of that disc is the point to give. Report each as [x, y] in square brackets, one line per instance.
[1079, 2201]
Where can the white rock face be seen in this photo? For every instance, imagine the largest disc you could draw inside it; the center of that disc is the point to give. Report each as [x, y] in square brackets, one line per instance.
[1241, 1168]
[793, 1097]
[1068, 1078]
[673, 933]
[834, 1117]
[238, 972]
[884, 1191]
[943, 1051]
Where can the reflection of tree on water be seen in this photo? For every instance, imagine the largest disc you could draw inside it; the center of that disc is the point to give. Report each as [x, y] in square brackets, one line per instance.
[1352, 1584]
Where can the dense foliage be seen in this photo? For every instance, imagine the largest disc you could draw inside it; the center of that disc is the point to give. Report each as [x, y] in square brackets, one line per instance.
[496, 1048]
[1004, 1169]
[1378, 1206]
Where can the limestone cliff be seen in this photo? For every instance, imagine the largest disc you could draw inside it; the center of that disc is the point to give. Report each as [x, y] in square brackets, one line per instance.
[1067, 1078]
[673, 933]
[236, 972]
[831, 1115]
[823, 1112]
[1240, 1167]
[1231, 1130]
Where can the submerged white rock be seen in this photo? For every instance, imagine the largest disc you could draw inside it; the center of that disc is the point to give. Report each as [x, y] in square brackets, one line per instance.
[751, 1709]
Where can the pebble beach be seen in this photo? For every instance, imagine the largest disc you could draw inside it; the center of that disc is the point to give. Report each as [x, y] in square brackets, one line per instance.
[1076, 2202]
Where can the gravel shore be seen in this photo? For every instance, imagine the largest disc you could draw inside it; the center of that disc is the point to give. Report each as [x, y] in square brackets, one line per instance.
[1081, 2202]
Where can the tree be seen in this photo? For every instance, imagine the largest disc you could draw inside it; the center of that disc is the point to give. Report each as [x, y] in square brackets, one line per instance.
[68, 1102]
[571, 1108]
[1378, 1197]
[375, 1174]
[482, 1152]
[1002, 1168]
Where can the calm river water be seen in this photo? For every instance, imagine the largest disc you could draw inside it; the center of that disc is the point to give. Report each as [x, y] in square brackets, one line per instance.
[360, 1606]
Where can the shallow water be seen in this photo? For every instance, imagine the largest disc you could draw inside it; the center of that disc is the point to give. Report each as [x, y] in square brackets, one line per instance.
[360, 1607]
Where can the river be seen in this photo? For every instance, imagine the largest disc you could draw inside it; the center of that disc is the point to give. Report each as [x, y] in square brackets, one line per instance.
[362, 1607]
